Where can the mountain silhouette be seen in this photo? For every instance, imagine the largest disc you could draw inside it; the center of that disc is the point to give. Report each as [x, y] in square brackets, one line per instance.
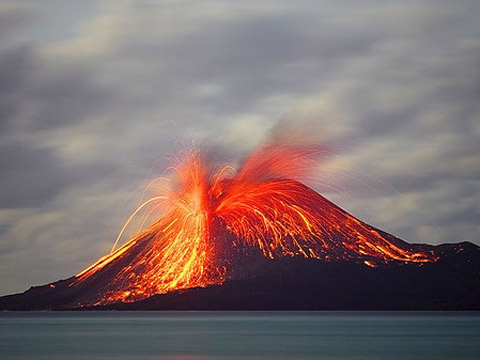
[305, 254]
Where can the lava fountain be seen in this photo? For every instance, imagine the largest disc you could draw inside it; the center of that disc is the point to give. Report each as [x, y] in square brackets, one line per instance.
[205, 216]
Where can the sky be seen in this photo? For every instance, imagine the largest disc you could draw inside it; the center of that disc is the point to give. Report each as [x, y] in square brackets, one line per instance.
[96, 96]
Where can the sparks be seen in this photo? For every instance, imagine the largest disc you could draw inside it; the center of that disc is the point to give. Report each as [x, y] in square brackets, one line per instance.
[261, 206]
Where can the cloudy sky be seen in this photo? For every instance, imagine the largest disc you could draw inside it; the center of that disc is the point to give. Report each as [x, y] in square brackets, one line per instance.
[95, 95]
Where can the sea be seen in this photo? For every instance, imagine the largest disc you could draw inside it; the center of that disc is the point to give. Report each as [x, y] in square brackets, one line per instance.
[239, 335]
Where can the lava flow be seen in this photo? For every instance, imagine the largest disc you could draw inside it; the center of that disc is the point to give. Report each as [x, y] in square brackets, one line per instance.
[205, 217]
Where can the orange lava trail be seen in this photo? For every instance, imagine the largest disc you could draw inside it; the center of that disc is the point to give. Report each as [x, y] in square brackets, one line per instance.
[261, 206]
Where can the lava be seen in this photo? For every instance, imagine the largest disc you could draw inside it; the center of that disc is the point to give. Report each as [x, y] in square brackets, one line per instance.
[261, 206]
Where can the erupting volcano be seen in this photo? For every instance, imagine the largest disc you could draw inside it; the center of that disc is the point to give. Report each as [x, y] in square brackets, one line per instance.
[210, 223]
[208, 218]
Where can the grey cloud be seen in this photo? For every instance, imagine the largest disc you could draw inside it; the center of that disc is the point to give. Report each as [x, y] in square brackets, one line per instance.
[253, 57]
[66, 98]
[15, 65]
[14, 17]
[29, 176]
[15, 61]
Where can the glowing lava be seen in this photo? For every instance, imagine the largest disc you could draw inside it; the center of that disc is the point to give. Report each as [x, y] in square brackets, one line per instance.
[203, 214]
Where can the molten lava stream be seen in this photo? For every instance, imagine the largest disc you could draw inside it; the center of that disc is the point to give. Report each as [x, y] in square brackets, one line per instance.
[259, 207]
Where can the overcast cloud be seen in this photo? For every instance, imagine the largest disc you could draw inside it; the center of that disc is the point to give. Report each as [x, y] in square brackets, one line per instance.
[95, 96]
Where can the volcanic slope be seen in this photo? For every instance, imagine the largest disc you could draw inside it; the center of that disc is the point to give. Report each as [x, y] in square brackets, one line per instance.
[212, 225]
[232, 254]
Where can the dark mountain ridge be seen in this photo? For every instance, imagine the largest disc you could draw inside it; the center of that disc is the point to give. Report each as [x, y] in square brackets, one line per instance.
[347, 265]
[452, 283]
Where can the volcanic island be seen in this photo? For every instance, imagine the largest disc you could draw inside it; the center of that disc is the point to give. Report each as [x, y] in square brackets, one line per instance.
[258, 238]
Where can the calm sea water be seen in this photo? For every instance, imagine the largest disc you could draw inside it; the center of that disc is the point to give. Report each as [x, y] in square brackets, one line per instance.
[239, 335]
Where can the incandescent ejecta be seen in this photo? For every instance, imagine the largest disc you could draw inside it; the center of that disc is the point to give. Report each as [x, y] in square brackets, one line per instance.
[206, 217]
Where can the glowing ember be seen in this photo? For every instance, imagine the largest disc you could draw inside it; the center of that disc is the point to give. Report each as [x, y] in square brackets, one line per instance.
[203, 214]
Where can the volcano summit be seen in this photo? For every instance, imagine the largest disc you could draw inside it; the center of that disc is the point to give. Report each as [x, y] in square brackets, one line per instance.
[258, 238]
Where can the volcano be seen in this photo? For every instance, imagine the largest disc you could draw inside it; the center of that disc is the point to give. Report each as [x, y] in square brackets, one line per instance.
[258, 239]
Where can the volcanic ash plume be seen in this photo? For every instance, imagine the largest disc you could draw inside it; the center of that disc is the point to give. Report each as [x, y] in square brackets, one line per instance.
[206, 217]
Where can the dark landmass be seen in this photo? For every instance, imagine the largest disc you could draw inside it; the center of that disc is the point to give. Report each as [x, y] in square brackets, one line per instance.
[451, 283]
[357, 267]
